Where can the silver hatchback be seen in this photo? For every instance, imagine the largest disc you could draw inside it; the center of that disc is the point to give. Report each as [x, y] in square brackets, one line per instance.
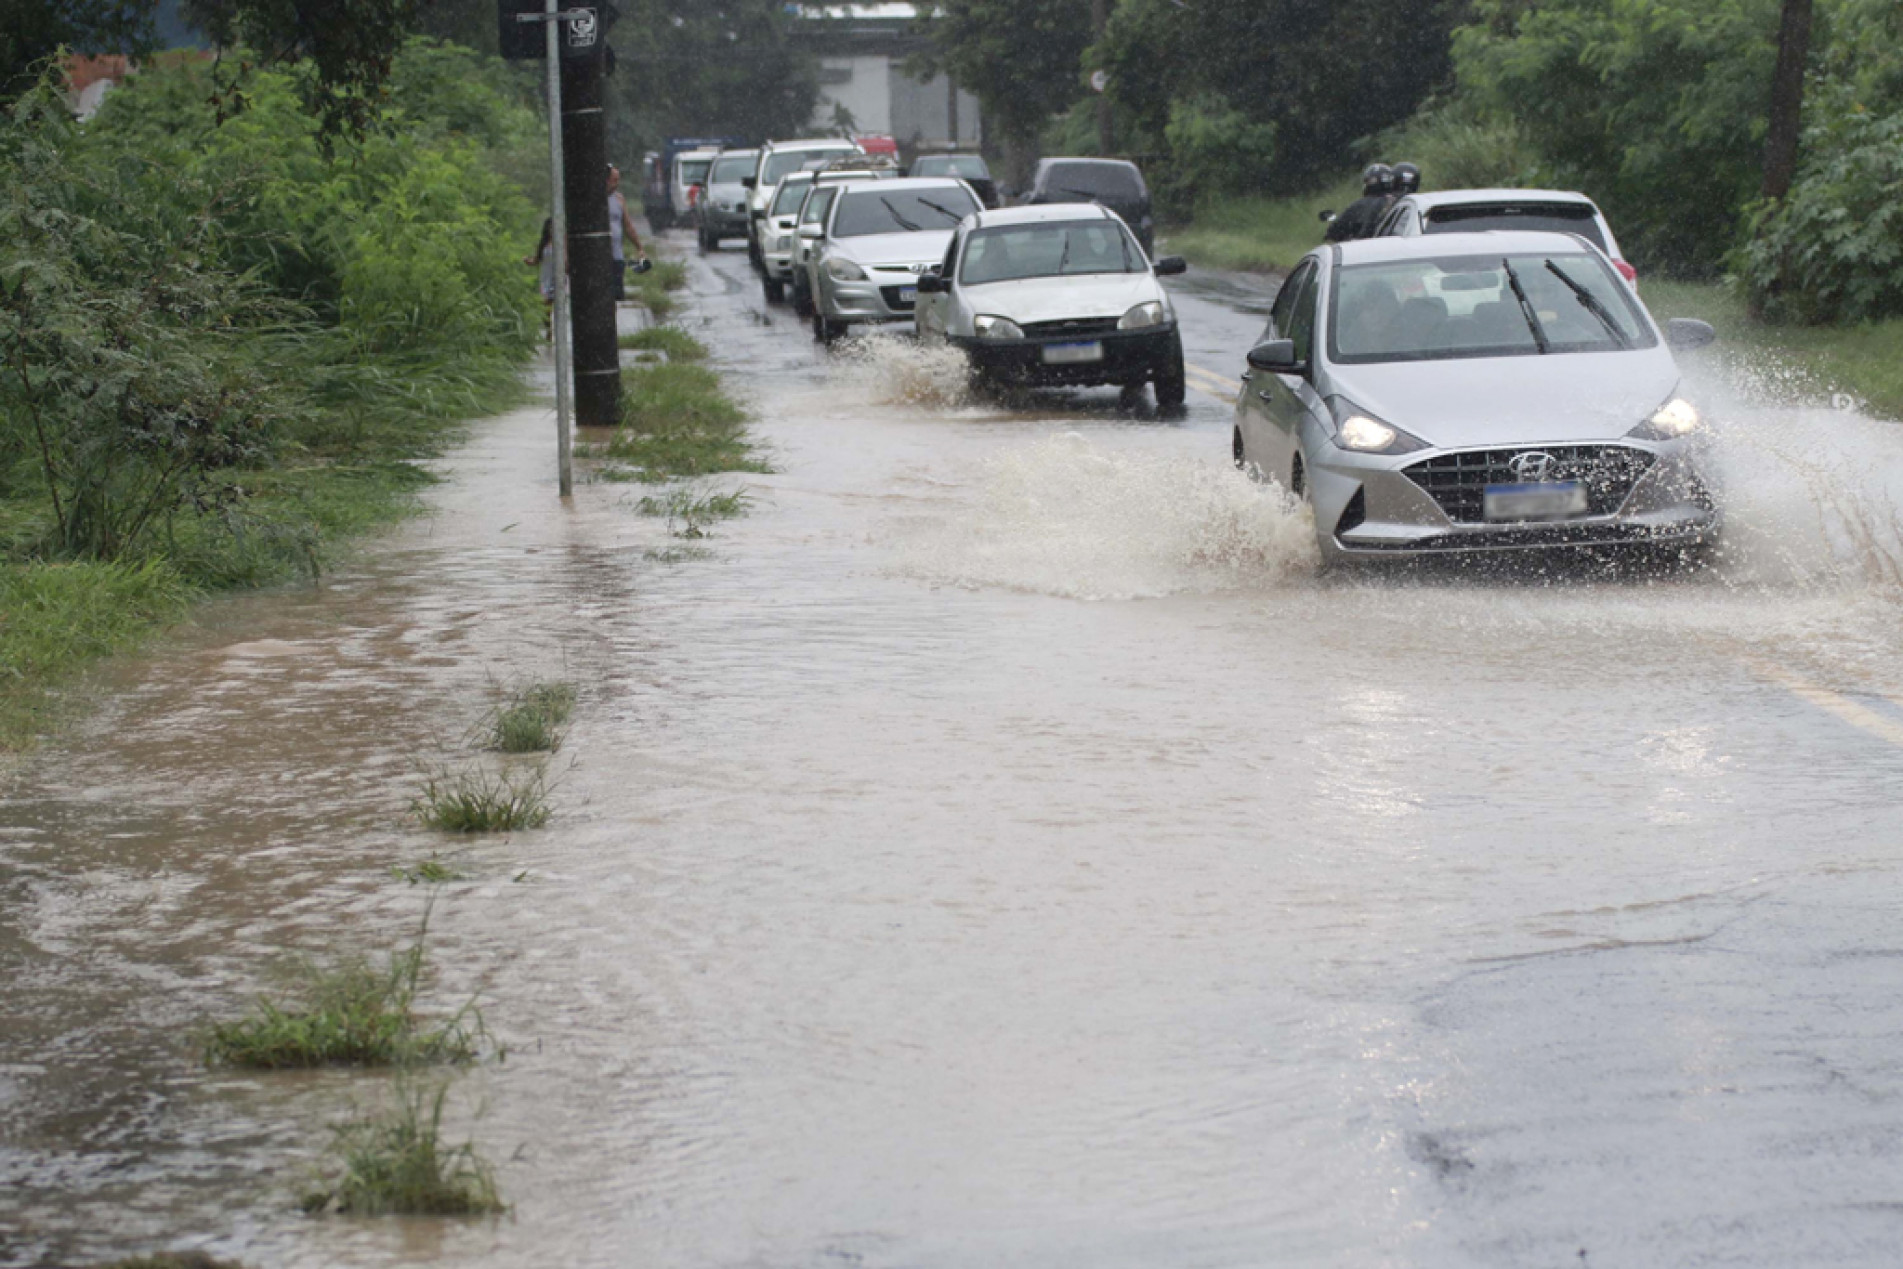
[1475, 393]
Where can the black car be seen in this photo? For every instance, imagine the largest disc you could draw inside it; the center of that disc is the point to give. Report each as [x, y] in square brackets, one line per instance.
[969, 168]
[1112, 183]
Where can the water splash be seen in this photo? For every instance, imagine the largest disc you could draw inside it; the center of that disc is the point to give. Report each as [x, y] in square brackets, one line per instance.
[890, 369]
[1086, 518]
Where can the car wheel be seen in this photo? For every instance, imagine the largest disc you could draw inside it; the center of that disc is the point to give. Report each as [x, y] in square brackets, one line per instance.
[1238, 453]
[802, 301]
[1172, 386]
[775, 291]
[754, 257]
[707, 244]
[827, 332]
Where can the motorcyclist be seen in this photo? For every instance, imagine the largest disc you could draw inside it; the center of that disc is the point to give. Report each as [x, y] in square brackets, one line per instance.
[1362, 215]
[1407, 179]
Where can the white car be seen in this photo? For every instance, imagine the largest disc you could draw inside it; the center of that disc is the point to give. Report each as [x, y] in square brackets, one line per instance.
[1464, 211]
[777, 160]
[776, 231]
[877, 239]
[689, 178]
[1057, 294]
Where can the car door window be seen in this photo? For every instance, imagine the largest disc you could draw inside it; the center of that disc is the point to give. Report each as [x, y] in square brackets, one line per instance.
[951, 257]
[1301, 325]
[1284, 306]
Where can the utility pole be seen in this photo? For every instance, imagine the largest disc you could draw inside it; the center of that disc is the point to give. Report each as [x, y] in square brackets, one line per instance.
[585, 184]
[1100, 24]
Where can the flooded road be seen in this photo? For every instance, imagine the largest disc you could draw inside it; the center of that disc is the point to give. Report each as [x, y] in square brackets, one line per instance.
[1003, 849]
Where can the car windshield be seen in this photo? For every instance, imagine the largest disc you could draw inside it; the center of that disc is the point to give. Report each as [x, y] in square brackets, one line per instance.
[731, 169]
[787, 201]
[1565, 218]
[1047, 250]
[1093, 180]
[901, 211]
[1467, 306]
[694, 171]
[967, 166]
[780, 162]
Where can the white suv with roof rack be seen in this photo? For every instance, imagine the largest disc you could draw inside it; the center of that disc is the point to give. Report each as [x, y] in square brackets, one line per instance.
[1454, 211]
[777, 159]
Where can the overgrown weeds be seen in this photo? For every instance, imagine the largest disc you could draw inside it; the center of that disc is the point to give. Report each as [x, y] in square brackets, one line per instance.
[396, 1163]
[352, 1013]
[677, 422]
[672, 340]
[532, 719]
[479, 801]
[652, 289]
[689, 514]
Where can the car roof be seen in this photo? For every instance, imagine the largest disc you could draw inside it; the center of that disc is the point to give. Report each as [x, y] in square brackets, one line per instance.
[1486, 242]
[1043, 213]
[1460, 197]
[731, 154]
[1083, 158]
[903, 183]
[695, 154]
[949, 155]
[811, 143]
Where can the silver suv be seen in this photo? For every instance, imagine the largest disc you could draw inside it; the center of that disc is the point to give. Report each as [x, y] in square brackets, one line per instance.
[723, 208]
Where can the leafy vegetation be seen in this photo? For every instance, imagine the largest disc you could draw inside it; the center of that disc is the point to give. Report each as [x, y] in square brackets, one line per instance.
[689, 514]
[677, 422]
[352, 1013]
[224, 345]
[479, 801]
[1260, 234]
[397, 1163]
[531, 719]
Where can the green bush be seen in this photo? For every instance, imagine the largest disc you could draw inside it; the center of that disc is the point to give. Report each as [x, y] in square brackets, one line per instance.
[1832, 250]
[1459, 147]
[1215, 151]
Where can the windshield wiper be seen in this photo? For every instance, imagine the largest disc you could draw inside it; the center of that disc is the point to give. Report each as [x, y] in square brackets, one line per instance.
[1592, 305]
[1063, 257]
[942, 210]
[1084, 194]
[1526, 307]
[898, 215]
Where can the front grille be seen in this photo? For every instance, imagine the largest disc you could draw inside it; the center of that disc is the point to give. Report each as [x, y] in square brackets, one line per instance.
[1079, 326]
[1458, 481]
[893, 299]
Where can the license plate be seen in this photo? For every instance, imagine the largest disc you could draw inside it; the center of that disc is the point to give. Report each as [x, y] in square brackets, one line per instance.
[1071, 354]
[1553, 500]
[908, 295]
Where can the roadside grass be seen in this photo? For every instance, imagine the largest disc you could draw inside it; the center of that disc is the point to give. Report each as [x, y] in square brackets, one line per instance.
[672, 340]
[1257, 235]
[478, 801]
[1865, 361]
[689, 514]
[351, 1013]
[531, 720]
[57, 617]
[396, 1163]
[653, 288]
[676, 422]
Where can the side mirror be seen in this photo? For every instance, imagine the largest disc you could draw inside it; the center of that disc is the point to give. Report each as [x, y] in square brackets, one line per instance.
[1683, 334]
[932, 284]
[748, 182]
[1327, 217]
[759, 213]
[1169, 266]
[1277, 356]
[812, 233]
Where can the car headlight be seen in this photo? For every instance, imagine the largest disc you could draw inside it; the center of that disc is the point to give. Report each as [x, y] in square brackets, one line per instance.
[1677, 417]
[783, 242]
[1361, 432]
[1142, 317]
[845, 270]
[997, 328]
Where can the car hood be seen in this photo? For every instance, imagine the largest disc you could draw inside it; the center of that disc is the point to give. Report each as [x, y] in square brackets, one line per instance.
[1533, 399]
[1054, 299]
[927, 246]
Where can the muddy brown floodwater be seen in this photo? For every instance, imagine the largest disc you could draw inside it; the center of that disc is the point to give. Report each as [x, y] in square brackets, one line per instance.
[1003, 849]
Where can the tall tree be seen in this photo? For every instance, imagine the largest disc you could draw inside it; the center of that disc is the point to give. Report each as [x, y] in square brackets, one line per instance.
[344, 47]
[1023, 58]
[33, 30]
[1787, 98]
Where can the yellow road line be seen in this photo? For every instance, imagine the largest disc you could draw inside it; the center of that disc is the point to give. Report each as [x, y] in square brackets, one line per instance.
[1832, 702]
[1209, 383]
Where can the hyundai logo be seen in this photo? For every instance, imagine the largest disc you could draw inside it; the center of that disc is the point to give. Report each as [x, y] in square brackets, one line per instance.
[1533, 466]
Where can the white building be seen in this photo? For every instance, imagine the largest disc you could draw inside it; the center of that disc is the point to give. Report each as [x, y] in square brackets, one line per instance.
[862, 49]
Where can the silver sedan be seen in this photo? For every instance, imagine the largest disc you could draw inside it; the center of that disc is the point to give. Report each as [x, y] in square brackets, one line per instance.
[1475, 392]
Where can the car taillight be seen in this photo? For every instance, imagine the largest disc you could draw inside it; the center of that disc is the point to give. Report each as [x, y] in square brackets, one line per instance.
[1626, 271]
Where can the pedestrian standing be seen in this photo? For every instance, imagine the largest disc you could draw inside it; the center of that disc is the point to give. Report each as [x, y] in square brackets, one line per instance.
[545, 257]
[620, 220]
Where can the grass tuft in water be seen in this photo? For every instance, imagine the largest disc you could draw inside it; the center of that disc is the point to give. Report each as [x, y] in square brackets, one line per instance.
[672, 340]
[531, 720]
[689, 515]
[679, 554]
[396, 1163]
[477, 801]
[434, 871]
[173, 1260]
[678, 422]
[349, 1014]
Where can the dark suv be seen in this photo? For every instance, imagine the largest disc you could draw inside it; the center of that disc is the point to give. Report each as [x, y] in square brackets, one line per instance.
[1112, 183]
